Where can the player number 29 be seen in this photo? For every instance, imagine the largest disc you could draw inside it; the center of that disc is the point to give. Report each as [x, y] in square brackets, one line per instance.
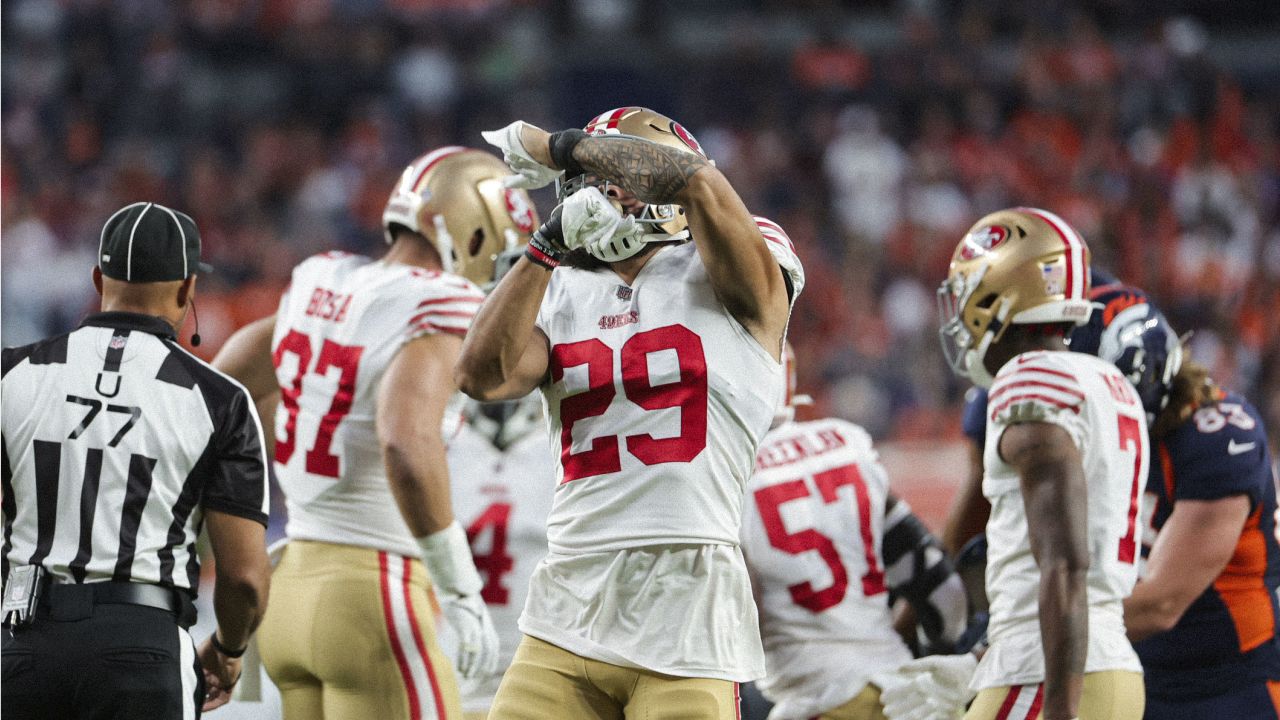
[689, 394]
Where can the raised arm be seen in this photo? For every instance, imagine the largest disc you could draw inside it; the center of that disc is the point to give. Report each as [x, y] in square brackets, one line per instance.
[1054, 493]
[744, 274]
[505, 356]
[1193, 547]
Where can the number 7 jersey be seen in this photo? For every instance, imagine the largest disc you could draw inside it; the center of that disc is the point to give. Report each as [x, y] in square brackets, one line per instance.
[340, 323]
[657, 399]
[1100, 410]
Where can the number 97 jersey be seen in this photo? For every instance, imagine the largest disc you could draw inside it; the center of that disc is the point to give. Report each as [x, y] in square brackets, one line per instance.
[340, 324]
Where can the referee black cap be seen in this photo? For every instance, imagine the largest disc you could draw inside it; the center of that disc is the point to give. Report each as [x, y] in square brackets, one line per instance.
[148, 242]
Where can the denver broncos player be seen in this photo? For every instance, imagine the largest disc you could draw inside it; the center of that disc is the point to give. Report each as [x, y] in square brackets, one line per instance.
[660, 365]
[1203, 615]
[1066, 452]
[826, 543]
[501, 468]
[362, 352]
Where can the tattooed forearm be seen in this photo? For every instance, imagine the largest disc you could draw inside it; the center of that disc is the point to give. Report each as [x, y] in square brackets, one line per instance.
[655, 173]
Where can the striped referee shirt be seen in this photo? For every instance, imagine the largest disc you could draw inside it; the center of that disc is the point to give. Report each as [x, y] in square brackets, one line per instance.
[116, 442]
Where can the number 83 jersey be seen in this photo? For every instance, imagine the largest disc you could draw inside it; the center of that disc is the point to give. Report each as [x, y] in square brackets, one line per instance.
[657, 399]
[340, 323]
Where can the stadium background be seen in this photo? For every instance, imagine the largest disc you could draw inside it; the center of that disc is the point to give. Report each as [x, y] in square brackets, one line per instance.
[874, 132]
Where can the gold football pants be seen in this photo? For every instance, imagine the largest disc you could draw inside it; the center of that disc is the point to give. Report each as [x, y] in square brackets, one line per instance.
[1108, 695]
[864, 706]
[349, 634]
[546, 682]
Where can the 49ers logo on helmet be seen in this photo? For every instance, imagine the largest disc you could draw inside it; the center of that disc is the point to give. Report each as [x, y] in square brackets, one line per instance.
[520, 210]
[686, 137]
[983, 240]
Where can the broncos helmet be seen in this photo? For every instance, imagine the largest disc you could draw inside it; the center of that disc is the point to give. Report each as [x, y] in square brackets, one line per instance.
[1126, 330]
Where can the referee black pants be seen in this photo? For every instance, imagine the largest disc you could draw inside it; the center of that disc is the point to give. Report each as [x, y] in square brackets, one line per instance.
[122, 661]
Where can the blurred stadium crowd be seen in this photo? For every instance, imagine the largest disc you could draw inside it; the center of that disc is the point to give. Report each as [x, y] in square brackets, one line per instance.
[875, 133]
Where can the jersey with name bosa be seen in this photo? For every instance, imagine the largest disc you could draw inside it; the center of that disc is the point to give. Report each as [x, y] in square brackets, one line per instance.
[340, 324]
[812, 533]
[1100, 410]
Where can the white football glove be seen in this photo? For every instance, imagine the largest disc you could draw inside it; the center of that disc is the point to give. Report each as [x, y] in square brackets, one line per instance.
[593, 223]
[529, 173]
[457, 584]
[477, 637]
[935, 688]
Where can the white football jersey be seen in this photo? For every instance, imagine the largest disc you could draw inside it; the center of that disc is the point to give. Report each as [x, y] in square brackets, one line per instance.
[812, 535]
[1100, 410]
[656, 402]
[340, 323]
[502, 498]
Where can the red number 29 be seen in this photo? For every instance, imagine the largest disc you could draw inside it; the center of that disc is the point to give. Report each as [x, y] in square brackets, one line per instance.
[689, 394]
[346, 358]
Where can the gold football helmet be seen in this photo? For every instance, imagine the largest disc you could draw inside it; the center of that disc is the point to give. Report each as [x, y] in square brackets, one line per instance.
[786, 410]
[454, 197]
[648, 125]
[1020, 266]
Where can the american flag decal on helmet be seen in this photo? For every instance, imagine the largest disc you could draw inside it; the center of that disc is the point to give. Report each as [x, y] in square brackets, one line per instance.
[1076, 283]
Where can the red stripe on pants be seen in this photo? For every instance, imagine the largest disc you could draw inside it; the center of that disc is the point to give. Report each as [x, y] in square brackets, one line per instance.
[422, 646]
[384, 581]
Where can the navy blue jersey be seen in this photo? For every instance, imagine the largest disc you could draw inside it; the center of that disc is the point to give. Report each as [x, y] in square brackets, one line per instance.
[1227, 637]
[974, 420]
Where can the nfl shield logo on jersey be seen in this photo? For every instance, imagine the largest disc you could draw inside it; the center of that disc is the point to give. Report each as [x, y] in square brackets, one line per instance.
[624, 293]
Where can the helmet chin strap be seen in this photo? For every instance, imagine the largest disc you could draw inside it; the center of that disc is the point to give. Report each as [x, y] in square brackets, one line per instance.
[444, 243]
[974, 358]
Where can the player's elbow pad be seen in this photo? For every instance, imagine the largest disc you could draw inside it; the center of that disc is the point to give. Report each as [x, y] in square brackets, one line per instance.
[918, 570]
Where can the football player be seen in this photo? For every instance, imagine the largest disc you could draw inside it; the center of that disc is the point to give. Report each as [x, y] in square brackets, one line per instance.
[660, 363]
[1065, 458]
[362, 353]
[1203, 615]
[501, 469]
[826, 543]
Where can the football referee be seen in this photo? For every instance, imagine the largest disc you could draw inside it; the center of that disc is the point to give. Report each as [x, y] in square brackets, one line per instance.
[119, 446]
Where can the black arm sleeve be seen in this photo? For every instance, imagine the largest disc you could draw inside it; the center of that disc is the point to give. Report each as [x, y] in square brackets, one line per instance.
[918, 570]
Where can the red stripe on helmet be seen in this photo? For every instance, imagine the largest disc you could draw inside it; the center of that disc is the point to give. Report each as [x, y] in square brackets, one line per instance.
[433, 158]
[1074, 244]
